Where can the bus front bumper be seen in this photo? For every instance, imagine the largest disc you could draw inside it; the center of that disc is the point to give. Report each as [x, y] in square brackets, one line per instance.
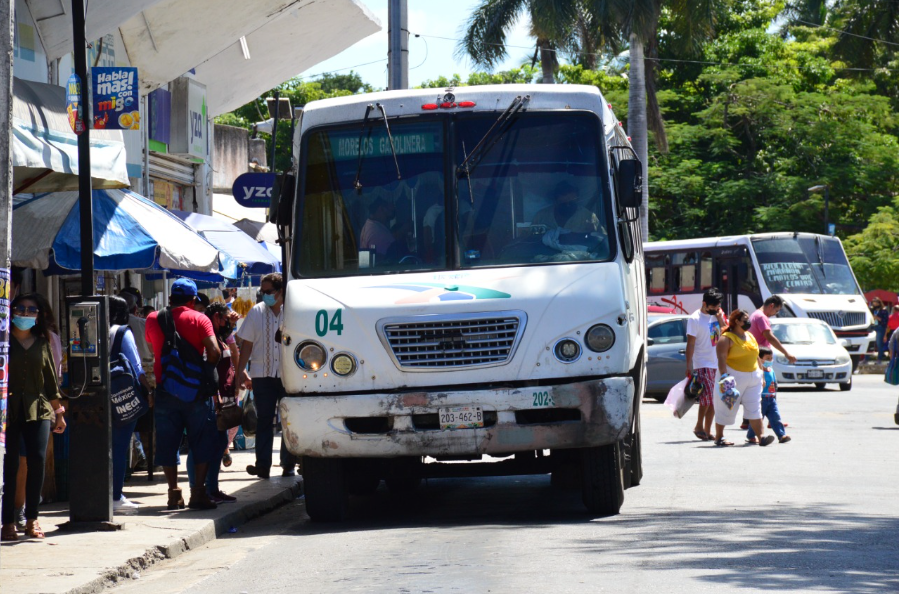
[580, 414]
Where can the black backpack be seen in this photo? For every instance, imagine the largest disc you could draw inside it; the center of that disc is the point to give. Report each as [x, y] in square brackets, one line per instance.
[125, 392]
[185, 374]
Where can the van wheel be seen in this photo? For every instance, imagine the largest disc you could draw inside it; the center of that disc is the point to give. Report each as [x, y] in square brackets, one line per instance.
[635, 459]
[820, 386]
[845, 387]
[404, 475]
[325, 488]
[602, 488]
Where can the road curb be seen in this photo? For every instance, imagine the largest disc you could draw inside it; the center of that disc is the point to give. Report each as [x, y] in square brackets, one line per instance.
[207, 533]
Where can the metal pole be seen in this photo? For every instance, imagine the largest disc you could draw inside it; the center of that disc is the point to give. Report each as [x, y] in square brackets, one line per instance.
[826, 210]
[85, 208]
[398, 45]
[7, 8]
[275, 129]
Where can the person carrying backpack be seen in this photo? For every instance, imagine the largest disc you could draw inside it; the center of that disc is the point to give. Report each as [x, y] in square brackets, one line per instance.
[128, 384]
[184, 385]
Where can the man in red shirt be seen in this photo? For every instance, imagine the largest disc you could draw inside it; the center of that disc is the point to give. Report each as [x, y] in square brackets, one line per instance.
[173, 416]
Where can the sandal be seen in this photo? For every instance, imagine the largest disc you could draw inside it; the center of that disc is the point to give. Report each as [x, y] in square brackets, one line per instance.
[8, 533]
[722, 443]
[701, 435]
[33, 530]
[226, 460]
[753, 441]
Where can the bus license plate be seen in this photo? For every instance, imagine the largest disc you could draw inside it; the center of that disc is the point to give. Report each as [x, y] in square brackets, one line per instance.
[461, 417]
[814, 374]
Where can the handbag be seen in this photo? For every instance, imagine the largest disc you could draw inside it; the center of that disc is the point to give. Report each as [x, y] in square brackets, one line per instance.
[249, 415]
[677, 399]
[892, 373]
[127, 398]
[228, 414]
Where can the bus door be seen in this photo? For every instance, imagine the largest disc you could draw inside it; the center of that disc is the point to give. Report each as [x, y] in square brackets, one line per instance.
[728, 279]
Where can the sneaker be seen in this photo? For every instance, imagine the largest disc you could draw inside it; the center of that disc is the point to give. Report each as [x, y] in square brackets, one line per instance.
[251, 469]
[20, 519]
[222, 497]
[785, 439]
[767, 440]
[124, 507]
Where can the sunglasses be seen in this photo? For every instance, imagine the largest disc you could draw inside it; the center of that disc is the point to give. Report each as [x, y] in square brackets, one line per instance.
[22, 310]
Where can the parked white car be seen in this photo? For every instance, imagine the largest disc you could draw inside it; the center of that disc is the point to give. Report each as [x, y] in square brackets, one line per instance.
[821, 359]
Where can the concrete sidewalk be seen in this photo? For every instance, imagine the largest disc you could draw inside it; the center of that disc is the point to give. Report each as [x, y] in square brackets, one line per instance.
[84, 563]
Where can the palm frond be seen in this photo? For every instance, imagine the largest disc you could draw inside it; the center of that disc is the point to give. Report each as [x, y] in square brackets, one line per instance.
[484, 36]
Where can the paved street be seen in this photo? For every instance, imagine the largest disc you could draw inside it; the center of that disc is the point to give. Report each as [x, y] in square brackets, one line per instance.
[818, 514]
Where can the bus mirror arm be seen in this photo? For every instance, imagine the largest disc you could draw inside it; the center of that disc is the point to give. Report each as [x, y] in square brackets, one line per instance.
[628, 177]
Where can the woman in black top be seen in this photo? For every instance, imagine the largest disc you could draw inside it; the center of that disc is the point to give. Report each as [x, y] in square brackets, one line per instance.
[32, 401]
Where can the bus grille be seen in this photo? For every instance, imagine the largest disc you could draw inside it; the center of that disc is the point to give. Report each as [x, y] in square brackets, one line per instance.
[839, 319]
[429, 343]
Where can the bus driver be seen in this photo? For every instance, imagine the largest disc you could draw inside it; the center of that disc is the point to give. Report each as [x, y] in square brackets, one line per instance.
[565, 212]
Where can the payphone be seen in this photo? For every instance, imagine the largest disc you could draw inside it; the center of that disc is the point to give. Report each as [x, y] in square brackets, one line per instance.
[89, 415]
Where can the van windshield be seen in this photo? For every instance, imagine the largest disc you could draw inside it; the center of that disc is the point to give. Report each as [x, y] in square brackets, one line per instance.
[805, 264]
[534, 196]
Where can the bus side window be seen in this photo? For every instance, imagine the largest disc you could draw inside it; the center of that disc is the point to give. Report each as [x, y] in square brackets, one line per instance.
[706, 271]
[657, 273]
[684, 271]
[748, 283]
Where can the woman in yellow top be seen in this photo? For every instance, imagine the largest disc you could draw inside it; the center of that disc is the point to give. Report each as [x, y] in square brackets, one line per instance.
[739, 379]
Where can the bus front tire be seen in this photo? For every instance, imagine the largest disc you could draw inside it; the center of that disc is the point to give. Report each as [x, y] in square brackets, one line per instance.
[602, 487]
[325, 489]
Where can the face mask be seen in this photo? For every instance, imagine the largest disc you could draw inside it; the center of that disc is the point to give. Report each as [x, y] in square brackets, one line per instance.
[766, 364]
[712, 311]
[24, 323]
[747, 325]
[225, 331]
[566, 209]
[269, 300]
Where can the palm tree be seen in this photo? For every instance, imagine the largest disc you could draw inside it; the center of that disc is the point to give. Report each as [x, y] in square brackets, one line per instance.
[870, 31]
[552, 23]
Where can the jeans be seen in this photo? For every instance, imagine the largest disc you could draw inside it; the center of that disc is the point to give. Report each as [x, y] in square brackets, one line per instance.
[121, 444]
[173, 417]
[215, 465]
[880, 331]
[770, 410]
[36, 435]
[268, 391]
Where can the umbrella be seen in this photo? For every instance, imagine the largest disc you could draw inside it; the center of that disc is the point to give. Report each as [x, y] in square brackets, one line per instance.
[267, 232]
[246, 255]
[130, 233]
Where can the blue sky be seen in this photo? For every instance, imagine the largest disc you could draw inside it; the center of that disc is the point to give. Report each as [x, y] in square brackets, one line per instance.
[428, 57]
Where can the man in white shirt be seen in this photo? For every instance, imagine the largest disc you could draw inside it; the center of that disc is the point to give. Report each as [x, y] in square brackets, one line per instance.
[704, 328]
[258, 335]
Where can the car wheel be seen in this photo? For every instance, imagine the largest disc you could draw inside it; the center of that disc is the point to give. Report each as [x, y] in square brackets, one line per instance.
[845, 387]
[820, 386]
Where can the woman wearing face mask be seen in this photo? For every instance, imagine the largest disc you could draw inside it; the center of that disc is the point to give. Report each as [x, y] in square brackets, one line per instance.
[32, 400]
[739, 380]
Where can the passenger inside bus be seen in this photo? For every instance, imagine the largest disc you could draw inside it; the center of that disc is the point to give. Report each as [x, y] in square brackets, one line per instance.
[565, 212]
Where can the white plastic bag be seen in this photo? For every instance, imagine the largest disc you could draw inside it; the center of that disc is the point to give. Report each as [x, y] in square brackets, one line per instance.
[677, 399]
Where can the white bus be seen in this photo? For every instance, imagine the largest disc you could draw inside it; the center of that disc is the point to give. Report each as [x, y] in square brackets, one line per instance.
[466, 283]
[810, 272]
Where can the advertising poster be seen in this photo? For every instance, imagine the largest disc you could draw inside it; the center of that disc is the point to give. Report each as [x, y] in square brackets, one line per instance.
[115, 97]
[74, 108]
[5, 317]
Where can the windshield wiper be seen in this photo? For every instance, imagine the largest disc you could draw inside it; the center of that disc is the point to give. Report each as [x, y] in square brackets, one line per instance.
[357, 184]
[820, 256]
[483, 147]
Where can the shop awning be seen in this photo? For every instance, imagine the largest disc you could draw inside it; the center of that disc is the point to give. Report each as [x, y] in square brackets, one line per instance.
[45, 150]
[300, 37]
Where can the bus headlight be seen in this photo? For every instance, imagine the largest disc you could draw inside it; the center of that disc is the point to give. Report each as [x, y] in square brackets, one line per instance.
[567, 351]
[343, 364]
[600, 338]
[310, 356]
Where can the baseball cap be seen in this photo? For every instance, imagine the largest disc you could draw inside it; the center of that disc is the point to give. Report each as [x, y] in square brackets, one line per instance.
[184, 287]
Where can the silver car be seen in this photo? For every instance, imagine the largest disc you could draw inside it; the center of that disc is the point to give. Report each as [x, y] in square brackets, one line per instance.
[667, 362]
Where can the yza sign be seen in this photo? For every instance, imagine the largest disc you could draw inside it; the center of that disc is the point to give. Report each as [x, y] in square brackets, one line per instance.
[254, 190]
[196, 117]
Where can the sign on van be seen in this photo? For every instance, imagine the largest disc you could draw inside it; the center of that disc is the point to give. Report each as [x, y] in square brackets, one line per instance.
[254, 190]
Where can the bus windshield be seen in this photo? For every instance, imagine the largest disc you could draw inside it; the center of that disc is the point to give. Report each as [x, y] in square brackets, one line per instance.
[533, 195]
[815, 265]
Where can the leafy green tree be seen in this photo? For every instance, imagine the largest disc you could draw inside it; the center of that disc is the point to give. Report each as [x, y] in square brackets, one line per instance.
[874, 253]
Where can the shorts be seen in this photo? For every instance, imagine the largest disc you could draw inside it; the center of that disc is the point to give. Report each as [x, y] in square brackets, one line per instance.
[749, 384]
[174, 417]
[709, 388]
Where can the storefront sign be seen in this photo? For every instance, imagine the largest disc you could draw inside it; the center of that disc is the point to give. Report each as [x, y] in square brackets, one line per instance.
[166, 195]
[74, 109]
[115, 98]
[160, 116]
[196, 117]
[5, 288]
[254, 190]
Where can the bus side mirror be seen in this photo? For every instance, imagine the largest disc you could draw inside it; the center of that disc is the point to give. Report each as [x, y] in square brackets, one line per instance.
[629, 183]
[281, 207]
[628, 176]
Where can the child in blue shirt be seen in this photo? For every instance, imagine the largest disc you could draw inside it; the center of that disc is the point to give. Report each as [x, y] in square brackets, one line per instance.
[769, 399]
